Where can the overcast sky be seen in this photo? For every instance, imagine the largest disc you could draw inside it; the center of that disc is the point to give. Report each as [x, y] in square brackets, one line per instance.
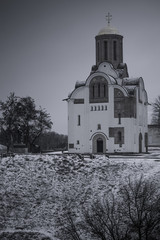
[48, 45]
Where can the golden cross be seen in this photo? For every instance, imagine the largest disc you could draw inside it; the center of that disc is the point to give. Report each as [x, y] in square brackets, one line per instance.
[108, 18]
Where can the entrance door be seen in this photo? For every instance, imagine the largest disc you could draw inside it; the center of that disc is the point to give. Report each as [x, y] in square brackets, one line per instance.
[99, 145]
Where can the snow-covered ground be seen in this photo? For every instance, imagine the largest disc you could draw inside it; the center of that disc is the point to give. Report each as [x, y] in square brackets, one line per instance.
[33, 188]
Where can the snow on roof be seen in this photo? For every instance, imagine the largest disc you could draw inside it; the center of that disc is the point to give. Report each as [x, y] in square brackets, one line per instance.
[113, 80]
[131, 81]
[108, 30]
[131, 89]
[80, 84]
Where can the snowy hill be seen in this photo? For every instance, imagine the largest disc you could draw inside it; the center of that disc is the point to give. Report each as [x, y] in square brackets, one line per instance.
[34, 187]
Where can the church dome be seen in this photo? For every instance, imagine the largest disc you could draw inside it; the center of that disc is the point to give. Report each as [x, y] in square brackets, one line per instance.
[108, 30]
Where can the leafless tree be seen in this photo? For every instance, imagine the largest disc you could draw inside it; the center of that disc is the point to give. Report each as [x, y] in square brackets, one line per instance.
[156, 111]
[132, 214]
[104, 219]
[141, 206]
[67, 225]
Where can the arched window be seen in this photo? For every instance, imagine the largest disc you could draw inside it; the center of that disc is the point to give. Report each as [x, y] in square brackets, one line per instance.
[93, 90]
[98, 90]
[104, 90]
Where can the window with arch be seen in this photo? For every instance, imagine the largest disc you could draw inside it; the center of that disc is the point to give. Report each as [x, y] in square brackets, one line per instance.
[98, 90]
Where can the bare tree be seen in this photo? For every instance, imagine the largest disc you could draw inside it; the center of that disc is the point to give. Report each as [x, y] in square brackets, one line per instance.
[21, 121]
[141, 206]
[67, 225]
[156, 111]
[105, 220]
[132, 214]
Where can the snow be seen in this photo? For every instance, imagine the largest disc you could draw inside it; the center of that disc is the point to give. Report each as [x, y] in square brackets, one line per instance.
[33, 188]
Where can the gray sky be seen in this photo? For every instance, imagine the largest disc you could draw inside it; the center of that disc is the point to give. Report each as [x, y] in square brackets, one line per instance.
[48, 45]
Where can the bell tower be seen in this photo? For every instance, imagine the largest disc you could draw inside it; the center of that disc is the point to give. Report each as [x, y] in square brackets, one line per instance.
[109, 45]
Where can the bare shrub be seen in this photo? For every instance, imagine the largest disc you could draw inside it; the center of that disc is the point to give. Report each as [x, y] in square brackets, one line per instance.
[133, 214]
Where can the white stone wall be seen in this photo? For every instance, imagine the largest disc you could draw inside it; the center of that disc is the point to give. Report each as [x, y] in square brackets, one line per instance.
[94, 114]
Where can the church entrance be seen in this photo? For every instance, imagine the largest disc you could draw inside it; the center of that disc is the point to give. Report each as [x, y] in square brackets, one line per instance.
[99, 145]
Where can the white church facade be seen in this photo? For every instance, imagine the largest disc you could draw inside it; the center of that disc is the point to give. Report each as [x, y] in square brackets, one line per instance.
[107, 113]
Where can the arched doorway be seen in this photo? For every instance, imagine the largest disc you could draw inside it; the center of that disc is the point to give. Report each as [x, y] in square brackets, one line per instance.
[99, 143]
[140, 143]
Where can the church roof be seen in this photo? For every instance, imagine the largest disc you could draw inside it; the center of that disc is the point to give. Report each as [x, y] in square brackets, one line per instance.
[80, 84]
[108, 30]
[131, 81]
[130, 89]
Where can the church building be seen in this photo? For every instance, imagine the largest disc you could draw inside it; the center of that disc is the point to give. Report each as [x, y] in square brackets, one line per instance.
[107, 113]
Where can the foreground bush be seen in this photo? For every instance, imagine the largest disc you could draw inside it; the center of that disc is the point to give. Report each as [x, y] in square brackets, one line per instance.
[23, 236]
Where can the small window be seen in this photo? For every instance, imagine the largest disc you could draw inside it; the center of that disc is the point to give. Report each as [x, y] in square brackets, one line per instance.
[95, 108]
[105, 50]
[106, 107]
[98, 108]
[119, 137]
[119, 118]
[99, 127]
[115, 50]
[79, 120]
[91, 108]
[102, 108]
[71, 145]
[77, 141]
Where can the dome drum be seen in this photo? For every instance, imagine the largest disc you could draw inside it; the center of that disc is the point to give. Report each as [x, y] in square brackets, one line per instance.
[109, 47]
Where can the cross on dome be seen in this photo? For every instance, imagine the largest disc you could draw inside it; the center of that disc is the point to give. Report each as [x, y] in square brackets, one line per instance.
[108, 18]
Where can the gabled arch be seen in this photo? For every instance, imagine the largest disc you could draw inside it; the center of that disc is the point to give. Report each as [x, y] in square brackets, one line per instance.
[110, 81]
[99, 133]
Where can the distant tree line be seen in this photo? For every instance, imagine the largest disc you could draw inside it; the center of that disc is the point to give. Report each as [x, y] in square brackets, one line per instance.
[52, 141]
[131, 214]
